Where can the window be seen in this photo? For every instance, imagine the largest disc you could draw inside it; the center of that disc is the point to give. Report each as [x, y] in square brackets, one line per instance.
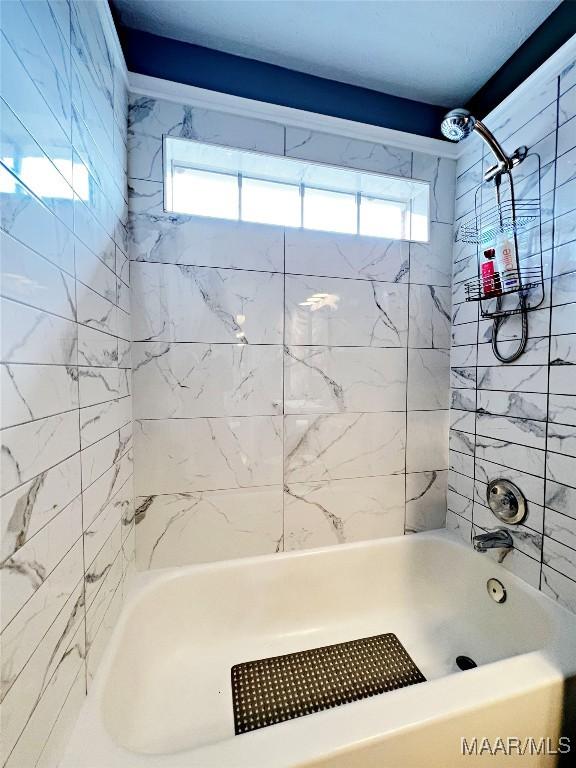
[210, 180]
[270, 202]
[205, 193]
[382, 218]
[330, 211]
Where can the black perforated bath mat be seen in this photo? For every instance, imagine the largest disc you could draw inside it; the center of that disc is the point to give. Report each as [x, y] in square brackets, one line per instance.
[270, 691]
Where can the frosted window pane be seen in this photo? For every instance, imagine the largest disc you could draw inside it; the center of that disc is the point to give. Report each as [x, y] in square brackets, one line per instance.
[330, 211]
[268, 202]
[203, 193]
[379, 218]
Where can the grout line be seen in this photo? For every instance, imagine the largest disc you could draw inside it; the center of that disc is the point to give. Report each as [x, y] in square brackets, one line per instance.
[551, 304]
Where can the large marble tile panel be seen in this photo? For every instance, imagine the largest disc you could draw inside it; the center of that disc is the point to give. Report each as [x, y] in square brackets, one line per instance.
[92, 234]
[100, 530]
[564, 319]
[562, 409]
[565, 258]
[559, 557]
[45, 66]
[562, 439]
[462, 420]
[459, 525]
[339, 312]
[28, 687]
[440, 172]
[30, 393]
[428, 379]
[149, 119]
[44, 716]
[561, 469]
[347, 152]
[463, 378]
[562, 362]
[429, 317]
[460, 462]
[427, 441]
[431, 263]
[108, 558]
[459, 505]
[561, 498]
[99, 420]
[328, 254]
[172, 238]
[524, 405]
[28, 278]
[29, 449]
[24, 633]
[26, 569]
[425, 501]
[511, 455]
[187, 528]
[559, 588]
[97, 644]
[54, 746]
[330, 447]
[25, 99]
[26, 219]
[97, 497]
[95, 311]
[96, 349]
[207, 454]
[99, 457]
[16, 141]
[560, 527]
[521, 378]
[183, 380]
[344, 379]
[99, 385]
[463, 399]
[26, 509]
[178, 303]
[94, 273]
[322, 514]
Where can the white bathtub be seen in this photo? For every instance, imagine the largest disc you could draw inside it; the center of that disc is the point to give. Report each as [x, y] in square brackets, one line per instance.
[162, 695]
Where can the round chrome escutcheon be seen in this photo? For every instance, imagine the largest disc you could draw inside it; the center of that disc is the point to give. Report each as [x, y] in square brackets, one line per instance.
[496, 590]
[506, 501]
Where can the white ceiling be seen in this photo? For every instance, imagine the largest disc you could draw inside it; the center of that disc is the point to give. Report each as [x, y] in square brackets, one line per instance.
[436, 51]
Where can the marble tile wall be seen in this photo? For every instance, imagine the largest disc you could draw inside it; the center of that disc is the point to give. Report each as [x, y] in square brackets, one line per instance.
[262, 425]
[66, 522]
[518, 421]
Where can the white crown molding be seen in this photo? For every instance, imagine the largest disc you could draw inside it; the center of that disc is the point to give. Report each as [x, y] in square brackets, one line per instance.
[551, 68]
[204, 99]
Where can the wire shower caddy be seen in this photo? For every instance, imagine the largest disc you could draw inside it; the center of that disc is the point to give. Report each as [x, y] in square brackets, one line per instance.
[498, 210]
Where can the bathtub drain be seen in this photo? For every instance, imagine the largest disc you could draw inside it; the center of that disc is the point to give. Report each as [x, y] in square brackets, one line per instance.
[465, 662]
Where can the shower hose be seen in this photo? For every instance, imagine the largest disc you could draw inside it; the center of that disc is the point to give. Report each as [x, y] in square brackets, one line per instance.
[499, 322]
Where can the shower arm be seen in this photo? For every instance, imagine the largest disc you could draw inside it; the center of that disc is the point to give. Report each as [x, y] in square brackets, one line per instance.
[504, 163]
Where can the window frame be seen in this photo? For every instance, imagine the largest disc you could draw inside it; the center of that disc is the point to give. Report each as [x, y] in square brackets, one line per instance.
[169, 165]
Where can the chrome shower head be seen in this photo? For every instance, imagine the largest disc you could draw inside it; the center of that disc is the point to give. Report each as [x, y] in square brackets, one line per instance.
[458, 124]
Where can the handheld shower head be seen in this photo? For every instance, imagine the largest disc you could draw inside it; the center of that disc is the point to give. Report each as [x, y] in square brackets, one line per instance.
[458, 124]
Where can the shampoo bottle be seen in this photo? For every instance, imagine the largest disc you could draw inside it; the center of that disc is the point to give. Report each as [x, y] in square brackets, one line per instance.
[507, 263]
